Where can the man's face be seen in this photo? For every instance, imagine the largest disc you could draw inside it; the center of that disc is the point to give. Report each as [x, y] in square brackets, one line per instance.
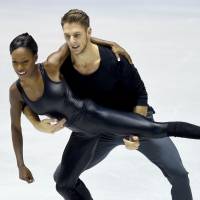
[76, 36]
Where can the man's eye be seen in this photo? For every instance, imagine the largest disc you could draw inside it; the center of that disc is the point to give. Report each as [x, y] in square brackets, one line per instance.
[67, 36]
[76, 35]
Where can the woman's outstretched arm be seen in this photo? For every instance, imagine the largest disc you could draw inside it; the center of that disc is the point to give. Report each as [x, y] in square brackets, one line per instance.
[48, 125]
[116, 48]
[16, 106]
[55, 60]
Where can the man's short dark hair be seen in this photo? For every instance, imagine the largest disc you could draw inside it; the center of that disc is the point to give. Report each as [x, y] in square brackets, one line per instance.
[76, 16]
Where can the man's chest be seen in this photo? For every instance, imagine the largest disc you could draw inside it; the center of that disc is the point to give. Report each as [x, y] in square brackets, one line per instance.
[92, 85]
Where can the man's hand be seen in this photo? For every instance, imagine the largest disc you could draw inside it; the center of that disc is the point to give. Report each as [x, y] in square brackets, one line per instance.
[25, 174]
[133, 143]
[142, 110]
[50, 125]
[118, 50]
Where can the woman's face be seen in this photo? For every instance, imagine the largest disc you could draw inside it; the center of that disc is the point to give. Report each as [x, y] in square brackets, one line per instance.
[23, 61]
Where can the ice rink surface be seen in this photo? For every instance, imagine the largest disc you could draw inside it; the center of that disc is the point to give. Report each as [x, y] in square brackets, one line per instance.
[163, 39]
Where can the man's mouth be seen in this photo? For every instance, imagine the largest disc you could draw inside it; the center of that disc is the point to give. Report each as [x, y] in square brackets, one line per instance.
[75, 47]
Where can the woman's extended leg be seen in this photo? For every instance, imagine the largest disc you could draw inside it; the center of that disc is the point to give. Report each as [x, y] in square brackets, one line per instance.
[97, 120]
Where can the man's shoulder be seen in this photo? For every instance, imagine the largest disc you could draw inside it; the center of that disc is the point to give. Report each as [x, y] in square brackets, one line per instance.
[66, 65]
[108, 58]
[110, 62]
[106, 52]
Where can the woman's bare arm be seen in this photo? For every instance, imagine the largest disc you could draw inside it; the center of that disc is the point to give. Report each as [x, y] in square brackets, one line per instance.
[16, 106]
[55, 60]
[116, 48]
[45, 125]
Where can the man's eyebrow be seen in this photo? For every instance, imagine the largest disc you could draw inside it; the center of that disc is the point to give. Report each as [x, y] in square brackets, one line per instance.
[73, 33]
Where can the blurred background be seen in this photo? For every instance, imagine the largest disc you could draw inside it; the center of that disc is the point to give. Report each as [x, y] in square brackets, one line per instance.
[162, 38]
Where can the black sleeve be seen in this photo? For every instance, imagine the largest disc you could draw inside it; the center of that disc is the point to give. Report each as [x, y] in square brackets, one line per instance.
[132, 82]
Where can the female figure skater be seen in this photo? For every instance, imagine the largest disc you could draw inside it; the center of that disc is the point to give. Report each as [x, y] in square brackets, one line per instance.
[41, 87]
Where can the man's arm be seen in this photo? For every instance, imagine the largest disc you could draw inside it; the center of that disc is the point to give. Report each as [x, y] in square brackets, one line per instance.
[133, 142]
[134, 85]
[17, 139]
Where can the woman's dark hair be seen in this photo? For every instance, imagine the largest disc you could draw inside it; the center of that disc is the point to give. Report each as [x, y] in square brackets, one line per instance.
[24, 40]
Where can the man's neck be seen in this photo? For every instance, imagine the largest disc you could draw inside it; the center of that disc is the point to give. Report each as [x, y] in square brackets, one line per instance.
[88, 61]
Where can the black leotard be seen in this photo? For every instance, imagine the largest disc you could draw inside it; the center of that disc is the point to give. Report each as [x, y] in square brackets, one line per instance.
[85, 116]
[56, 100]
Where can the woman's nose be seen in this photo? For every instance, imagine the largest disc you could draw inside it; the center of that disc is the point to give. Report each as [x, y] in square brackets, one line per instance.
[19, 67]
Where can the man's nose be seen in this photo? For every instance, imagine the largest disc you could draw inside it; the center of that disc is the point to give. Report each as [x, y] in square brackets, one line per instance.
[72, 40]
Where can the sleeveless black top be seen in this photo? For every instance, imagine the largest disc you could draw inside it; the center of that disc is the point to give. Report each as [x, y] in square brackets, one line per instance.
[116, 85]
[56, 101]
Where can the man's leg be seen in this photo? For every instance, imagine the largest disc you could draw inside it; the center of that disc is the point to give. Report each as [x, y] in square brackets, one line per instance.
[76, 156]
[163, 153]
[105, 145]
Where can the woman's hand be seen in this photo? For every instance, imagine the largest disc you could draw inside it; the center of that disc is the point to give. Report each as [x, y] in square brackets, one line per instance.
[50, 125]
[133, 143]
[118, 50]
[45, 125]
[25, 174]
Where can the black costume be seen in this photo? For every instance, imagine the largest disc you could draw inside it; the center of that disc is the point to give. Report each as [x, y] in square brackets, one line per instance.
[93, 120]
[58, 102]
